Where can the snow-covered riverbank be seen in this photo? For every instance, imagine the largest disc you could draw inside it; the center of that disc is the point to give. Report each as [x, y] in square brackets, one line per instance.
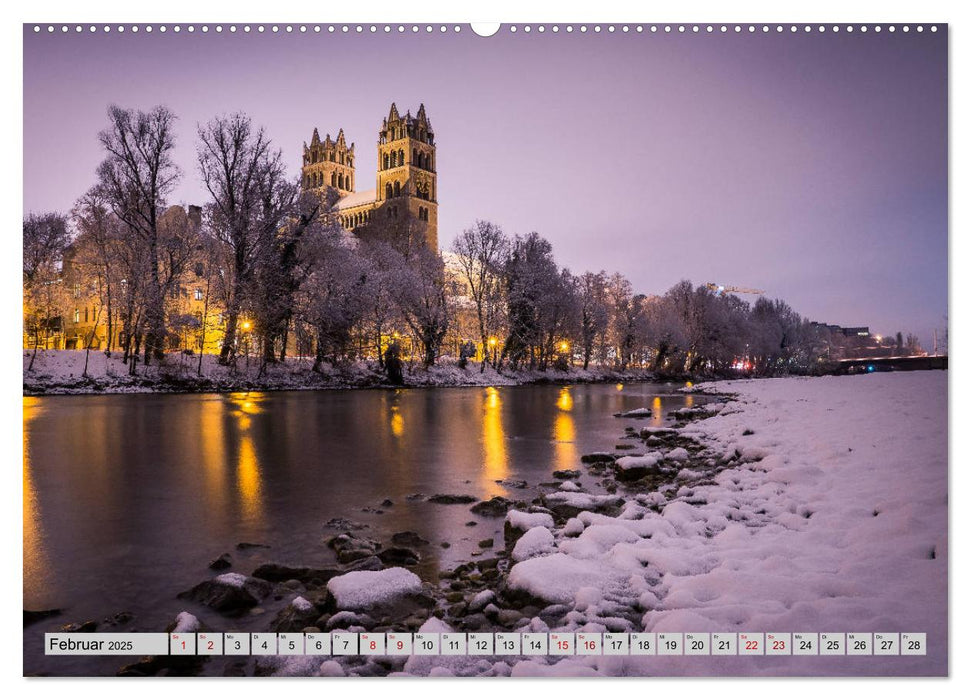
[63, 372]
[816, 505]
[791, 505]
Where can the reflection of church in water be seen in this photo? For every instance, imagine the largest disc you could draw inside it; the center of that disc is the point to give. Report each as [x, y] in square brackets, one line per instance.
[406, 181]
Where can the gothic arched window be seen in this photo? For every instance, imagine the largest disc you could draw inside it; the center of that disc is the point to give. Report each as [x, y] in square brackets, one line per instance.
[401, 157]
[388, 191]
[397, 189]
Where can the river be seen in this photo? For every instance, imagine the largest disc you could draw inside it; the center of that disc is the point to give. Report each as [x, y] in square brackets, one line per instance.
[127, 498]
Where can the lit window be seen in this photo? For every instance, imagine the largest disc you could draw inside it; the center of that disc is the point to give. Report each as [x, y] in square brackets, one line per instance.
[198, 294]
[77, 315]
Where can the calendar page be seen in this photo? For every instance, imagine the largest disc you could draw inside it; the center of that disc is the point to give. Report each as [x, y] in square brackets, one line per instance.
[524, 349]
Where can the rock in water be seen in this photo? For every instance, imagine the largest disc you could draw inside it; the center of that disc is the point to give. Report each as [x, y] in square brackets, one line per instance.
[408, 539]
[293, 618]
[449, 499]
[223, 561]
[495, 507]
[32, 616]
[395, 592]
[399, 556]
[306, 575]
[597, 458]
[230, 594]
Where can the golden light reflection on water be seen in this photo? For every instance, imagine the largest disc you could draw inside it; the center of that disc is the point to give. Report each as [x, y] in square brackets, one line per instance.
[213, 451]
[397, 420]
[249, 481]
[689, 401]
[496, 460]
[564, 432]
[657, 413]
[619, 387]
[36, 560]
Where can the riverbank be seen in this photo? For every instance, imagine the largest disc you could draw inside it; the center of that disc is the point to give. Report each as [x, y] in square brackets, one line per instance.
[815, 505]
[62, 372]
[799, 505]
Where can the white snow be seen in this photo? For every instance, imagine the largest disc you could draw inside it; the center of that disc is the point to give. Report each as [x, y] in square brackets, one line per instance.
[558, 577]
[647, 461]
[232, 579]
[61, 372]
[186, 622]
[636, 413]
[536, 542]
[359, 590]
[831, 517]
[678, 454]
[302, 604]
[526, 521]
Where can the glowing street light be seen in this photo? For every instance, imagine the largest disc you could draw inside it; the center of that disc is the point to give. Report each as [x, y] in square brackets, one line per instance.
[247, 325]
[493, 341]
[564, 346]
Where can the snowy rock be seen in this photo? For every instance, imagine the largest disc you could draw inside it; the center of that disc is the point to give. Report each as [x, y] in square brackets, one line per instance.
[567, 504]
[518, 522]
[363, 590]
[293, 618]
[186, 622]
[557, 577]
[678, 454]
[230, 594]
[635, 413]
[495, 507]
[632, 468]
[573, 527]
[331, 669]
[536, 542]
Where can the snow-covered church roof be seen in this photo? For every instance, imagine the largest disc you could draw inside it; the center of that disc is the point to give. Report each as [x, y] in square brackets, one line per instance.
[356, 199]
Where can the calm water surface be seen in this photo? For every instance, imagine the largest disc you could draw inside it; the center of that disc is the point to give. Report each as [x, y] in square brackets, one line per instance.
[128, 497]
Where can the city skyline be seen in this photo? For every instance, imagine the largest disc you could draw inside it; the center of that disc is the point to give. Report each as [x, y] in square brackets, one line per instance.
[814, 167]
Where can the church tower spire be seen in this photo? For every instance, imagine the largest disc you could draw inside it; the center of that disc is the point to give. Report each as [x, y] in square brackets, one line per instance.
[407, 178]
[328, 163]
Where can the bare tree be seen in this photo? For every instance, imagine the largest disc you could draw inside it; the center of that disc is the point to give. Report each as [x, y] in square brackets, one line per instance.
[423, 301]
[594, 310]
[46, 237]
[481, 251]
[136, 176]
[240, 167]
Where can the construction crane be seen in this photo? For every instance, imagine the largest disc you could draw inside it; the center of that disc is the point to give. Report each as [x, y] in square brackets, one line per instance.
[720, 289]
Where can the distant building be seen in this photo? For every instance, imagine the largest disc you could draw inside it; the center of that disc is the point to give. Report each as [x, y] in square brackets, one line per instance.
[849, 332]
[406, 181]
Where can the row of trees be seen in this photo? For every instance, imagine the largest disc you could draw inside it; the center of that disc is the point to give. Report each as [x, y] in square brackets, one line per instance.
[274, 265]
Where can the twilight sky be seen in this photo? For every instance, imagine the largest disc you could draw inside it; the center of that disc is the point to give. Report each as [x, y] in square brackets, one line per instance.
[813, 166]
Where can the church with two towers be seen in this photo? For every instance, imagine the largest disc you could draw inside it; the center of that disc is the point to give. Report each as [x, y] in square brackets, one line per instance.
[406, 184]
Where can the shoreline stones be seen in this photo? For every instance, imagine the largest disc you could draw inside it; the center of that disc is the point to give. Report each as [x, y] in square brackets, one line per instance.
[230, 594]
[449, 499]
[495, 507]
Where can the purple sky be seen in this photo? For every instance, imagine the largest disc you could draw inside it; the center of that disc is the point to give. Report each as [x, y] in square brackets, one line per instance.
[811, 166]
